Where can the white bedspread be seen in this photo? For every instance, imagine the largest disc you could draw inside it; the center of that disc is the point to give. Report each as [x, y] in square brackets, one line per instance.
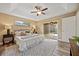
[25, 42]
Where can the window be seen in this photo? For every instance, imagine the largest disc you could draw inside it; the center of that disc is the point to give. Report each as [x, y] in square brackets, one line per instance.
[21, 23]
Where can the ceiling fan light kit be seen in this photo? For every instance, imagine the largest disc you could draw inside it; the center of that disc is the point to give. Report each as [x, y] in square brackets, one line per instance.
[39, 10]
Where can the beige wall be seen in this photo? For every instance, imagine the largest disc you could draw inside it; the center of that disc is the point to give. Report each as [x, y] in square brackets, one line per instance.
[2, 28]
[9, 20]
[71, 17]
[68, 28]
[40, 24]
[77, 17]
[39, 27]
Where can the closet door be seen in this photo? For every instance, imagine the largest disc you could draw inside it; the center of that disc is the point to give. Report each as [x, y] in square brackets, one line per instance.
[68, 28]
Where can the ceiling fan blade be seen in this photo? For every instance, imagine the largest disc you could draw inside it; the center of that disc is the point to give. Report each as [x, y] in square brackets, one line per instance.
[34, 12]
[38, 7]
[44, 9]
[43, 13]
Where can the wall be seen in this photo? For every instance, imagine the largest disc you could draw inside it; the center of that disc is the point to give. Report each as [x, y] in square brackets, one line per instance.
[39, 27]
[9, 20]
[77, 15]
[40, 24]
[57, 19]
[60, 29]
[68, 28]
[2, 28]
[66, 25]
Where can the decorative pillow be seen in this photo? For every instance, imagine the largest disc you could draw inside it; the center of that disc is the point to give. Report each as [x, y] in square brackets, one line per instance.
[22, 34]
[17, 33]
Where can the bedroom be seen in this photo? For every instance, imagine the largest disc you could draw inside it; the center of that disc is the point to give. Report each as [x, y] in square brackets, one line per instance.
[38, 34]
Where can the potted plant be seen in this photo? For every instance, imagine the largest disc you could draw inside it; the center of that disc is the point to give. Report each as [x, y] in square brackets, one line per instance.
[76, 39]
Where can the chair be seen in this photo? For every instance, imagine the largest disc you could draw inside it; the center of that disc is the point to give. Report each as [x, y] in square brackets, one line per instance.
[74, 48]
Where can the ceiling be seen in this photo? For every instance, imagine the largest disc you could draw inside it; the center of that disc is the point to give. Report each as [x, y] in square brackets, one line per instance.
[24, 9]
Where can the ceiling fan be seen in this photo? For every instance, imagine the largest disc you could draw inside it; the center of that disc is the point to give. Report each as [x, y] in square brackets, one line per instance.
[39, 10]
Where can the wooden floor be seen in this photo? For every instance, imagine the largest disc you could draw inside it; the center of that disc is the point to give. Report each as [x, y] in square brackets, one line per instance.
[3, 47]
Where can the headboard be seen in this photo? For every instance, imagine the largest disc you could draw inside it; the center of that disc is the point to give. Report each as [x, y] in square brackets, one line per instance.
[21, 32]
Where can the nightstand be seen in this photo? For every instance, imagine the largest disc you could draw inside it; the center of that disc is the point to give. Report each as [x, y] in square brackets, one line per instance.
[8, 38]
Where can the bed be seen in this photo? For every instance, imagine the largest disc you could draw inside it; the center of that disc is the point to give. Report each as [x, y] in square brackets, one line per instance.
[28, 41]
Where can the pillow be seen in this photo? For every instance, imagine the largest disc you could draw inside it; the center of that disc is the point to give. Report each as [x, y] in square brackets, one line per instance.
[22, 34]
[17, 33]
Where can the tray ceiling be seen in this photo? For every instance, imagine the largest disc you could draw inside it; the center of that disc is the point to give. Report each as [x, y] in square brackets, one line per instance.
[24, 9]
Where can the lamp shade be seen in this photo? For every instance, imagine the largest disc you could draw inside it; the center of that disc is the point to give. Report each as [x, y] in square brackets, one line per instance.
[7, 26]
